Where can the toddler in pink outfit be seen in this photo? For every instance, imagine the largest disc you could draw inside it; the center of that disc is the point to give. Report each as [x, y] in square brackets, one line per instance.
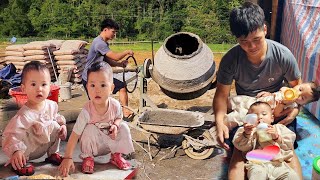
[99, 126]
[37, 127]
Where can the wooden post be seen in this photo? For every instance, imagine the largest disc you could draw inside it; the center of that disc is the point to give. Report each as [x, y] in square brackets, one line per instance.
[274, 19]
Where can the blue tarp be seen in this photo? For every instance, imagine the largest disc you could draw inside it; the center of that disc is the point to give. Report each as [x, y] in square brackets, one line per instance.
[300, 33]
[8, 74]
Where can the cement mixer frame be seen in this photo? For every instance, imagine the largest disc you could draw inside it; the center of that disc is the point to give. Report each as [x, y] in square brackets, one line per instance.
[178, 80]
[199, 140]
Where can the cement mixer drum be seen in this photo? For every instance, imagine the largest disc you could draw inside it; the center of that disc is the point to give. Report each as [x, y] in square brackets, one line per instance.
[183, 66]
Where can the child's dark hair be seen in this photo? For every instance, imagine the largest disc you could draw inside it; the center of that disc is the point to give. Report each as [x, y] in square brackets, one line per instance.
[258, 103]
[246, 19]
[315, 91]
[101, 66]
[33, 66]
[109, 23]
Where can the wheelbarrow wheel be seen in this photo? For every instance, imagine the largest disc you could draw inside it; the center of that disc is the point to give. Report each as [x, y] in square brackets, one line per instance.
[131, 83]
[202, 153]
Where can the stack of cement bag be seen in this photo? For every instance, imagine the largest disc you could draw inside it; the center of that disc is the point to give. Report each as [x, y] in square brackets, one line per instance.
[15, 54]
[71, 59]
[56, 43]
[2, 60]
[41, 51]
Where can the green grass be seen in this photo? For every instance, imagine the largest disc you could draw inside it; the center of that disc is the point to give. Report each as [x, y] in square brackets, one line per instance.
[156, 46]
[135, 46]
[220, 47]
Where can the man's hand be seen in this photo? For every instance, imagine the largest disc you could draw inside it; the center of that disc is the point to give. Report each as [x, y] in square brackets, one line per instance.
[18, 160]
[263, 94]
[129, 52]
[286, 121]
[219, 105]
[124, 63]
[223, 133]
[292, 114]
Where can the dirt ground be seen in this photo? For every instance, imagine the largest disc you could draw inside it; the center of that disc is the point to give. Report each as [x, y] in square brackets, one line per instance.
[176, 165]
[179, 165]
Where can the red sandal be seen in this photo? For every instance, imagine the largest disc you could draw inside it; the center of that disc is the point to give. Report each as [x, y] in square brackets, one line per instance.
[87, 165]
[54, 159]
[119, 161]
[26, 170]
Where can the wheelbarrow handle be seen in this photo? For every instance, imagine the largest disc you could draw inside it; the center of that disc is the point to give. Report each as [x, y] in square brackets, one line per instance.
[130, 109]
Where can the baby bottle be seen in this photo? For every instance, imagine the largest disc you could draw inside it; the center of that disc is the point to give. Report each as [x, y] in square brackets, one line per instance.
[251, 119]
[290, 94]
[262, 133]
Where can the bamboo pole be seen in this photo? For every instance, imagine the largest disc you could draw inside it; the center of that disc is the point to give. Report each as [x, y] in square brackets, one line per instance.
[274, 19]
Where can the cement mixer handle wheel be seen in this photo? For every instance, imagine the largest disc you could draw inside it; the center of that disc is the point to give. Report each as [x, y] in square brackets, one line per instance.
[134, 78]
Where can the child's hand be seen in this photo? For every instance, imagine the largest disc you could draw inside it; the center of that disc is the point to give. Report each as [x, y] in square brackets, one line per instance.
[248, 128]
[18, 160]
[65, 166]
[37, 127]
[113, 131]
[63, 132]
[272, 131]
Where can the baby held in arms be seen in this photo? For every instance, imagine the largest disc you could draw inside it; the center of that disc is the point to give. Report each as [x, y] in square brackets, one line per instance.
[282, 102]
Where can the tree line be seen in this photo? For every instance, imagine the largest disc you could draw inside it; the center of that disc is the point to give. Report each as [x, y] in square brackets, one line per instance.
[138, 19]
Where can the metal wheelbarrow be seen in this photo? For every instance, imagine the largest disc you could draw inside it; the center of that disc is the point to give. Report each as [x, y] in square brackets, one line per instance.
[198, 143]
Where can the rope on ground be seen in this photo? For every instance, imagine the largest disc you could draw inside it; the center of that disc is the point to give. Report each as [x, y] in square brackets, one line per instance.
[144, 169]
